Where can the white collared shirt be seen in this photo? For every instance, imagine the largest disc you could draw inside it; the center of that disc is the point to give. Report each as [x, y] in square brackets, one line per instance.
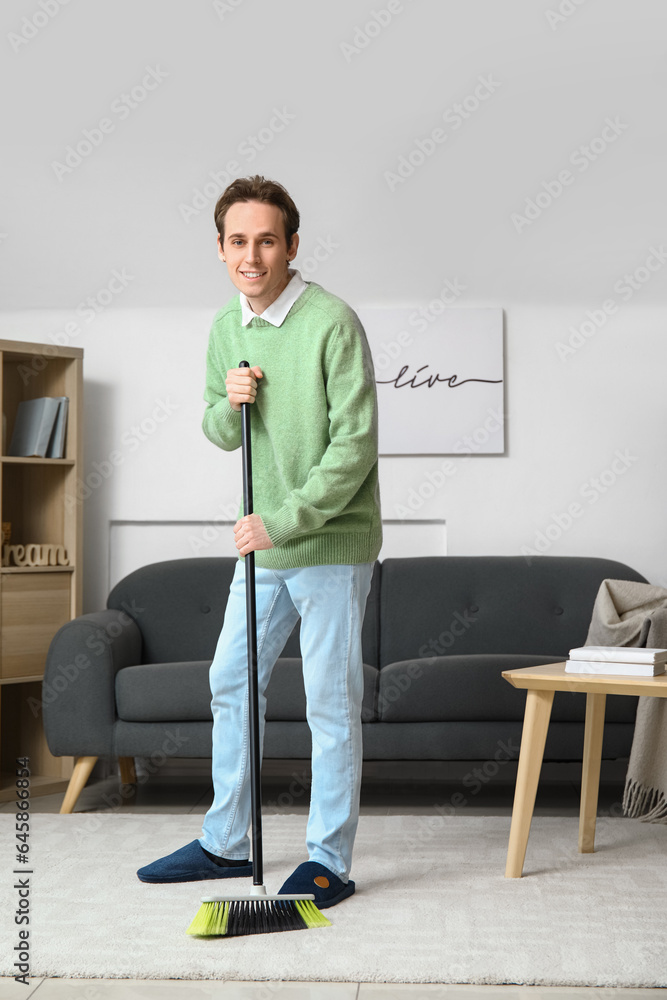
[277, 311]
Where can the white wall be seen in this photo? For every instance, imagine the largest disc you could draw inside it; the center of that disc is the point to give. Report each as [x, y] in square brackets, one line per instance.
[225, 69]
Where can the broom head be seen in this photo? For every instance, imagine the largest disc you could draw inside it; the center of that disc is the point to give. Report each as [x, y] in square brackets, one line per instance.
[256, 913]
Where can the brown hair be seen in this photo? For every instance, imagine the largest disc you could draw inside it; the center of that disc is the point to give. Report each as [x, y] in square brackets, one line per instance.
[257, 188]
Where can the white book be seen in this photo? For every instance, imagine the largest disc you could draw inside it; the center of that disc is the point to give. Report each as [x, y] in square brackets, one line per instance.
[624, 654]
[615, 668]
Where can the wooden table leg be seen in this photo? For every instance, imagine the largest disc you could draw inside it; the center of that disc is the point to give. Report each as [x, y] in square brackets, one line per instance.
[533, 738]
[590, 771]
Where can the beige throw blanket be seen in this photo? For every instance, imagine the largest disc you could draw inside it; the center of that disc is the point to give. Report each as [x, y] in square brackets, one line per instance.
[635, 614]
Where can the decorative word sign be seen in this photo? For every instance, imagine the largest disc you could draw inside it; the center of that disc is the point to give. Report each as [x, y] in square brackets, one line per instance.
[439, 374]
[35, 555]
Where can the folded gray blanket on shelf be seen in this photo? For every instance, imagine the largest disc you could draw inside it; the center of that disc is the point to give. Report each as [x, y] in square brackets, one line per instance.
[627, 613]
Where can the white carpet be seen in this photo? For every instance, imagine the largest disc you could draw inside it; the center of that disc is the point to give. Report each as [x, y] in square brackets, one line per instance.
[432, 904]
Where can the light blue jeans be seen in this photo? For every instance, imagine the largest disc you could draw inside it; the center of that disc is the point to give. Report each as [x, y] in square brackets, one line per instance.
[331, 601]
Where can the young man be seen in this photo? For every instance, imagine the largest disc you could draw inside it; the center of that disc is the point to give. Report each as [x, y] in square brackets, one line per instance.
[316, 533]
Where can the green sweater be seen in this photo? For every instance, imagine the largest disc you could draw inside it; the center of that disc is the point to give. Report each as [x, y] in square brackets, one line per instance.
[313, 428]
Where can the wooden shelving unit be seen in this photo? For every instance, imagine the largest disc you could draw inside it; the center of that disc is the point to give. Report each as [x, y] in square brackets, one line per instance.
[38, 497]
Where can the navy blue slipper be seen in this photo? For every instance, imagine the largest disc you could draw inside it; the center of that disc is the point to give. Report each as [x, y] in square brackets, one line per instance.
[190, 864]
[313, 877]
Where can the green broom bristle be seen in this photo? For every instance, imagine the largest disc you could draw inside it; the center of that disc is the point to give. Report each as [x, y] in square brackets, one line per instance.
[211, 918]
[256, 916]
[310, 913]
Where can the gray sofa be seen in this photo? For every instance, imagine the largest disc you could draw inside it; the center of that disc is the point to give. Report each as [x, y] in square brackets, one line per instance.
[133, 680]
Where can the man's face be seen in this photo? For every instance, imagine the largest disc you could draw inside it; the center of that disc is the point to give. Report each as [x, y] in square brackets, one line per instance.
[256, 252]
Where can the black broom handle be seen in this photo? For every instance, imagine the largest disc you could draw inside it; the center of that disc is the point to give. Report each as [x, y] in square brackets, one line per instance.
[251, 622]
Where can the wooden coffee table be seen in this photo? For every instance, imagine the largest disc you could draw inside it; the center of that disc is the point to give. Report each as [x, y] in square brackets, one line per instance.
[540, 684]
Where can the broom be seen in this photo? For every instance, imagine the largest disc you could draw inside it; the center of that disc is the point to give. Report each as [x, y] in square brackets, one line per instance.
[256, 912]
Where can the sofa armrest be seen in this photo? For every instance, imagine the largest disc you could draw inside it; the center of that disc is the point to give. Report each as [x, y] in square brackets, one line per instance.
[78, 699]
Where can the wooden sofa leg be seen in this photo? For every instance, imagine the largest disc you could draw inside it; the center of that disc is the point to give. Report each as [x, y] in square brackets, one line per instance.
[128, 775]
[77, 782]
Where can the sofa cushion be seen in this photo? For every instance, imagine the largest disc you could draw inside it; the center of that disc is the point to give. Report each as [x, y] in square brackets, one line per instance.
[457, 605]
[179, 606]
[165, 692]
[452, 688]
[472, 688]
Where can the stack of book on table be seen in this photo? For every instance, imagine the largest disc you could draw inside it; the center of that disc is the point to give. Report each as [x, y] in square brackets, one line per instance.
[635, 661]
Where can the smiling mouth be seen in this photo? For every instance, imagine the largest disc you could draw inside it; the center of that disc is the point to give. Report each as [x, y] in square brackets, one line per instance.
[253, 275]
